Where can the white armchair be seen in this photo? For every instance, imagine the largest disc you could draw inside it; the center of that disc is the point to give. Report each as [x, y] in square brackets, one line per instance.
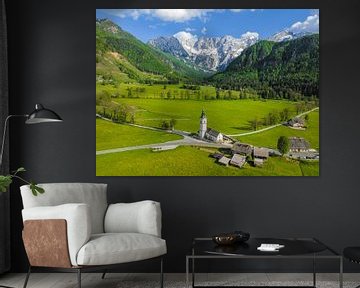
[72, 228]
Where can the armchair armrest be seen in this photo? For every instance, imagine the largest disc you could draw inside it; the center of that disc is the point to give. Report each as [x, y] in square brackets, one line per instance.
[78, 225]
[138, 217]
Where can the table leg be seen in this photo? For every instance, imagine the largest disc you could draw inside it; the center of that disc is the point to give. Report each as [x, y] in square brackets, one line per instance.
[314, 271]
[341, 273]
[193, 272]
[187, 272]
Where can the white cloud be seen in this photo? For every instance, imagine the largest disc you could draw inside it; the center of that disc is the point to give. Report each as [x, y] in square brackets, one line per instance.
[203, 30]
[169, 15]
[311, 24]
[188, 29]
[179, 15]
[123, 13]
[314, 11]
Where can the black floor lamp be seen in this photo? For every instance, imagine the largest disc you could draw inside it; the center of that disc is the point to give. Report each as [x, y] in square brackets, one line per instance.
[39, 115]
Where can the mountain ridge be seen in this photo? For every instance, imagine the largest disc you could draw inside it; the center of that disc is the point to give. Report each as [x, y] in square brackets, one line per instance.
[210, 54]
[214, 54]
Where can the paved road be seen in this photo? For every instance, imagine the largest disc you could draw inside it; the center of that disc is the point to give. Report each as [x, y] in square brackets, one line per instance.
[271, 127]
[187, 141]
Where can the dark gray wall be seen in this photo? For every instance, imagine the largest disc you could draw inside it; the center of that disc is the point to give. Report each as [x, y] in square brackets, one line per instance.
[52, 61]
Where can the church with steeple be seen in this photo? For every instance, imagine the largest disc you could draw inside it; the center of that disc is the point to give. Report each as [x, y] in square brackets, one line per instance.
[203, 125]
[208, 133]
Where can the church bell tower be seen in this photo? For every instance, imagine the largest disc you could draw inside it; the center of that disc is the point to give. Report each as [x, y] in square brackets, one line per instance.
[203, 124]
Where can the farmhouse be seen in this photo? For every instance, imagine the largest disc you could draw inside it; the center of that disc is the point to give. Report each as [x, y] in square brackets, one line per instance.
[296, 122]
[298, 144]
[258, 162]
[261, 153]
[238, 160]
[208, 133]
[217, 155]
[241, 148]
[224, 161]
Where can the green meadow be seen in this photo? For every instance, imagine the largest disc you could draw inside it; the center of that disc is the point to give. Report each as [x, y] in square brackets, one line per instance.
[113, 135]
[151, 105]
[191, 161]
[165, 91]
[226, 116]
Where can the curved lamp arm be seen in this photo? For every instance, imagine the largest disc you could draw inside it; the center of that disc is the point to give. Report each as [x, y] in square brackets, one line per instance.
[4, 134]
[39, 115]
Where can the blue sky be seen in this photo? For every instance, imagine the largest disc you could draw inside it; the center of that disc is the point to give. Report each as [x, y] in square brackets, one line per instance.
[147, 24]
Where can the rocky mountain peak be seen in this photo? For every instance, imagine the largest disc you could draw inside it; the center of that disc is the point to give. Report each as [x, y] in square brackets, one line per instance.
[208, 53]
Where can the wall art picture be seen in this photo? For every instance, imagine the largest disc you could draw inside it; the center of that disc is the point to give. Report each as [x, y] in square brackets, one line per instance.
[207, 92]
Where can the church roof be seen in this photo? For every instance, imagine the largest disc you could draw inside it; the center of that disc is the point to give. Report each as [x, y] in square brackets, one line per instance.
[203, 115]
[212, 132]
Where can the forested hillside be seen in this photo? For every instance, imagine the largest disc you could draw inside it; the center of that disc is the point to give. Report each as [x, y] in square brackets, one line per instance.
[116, 48]
[285, 69]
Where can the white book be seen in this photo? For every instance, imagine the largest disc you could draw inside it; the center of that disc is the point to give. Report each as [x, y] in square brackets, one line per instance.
[270, 247]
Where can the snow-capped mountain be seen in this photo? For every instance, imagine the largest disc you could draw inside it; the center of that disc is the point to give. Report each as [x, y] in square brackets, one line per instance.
[169, 45]
[187, 40]
[208, 53]
[287, 35]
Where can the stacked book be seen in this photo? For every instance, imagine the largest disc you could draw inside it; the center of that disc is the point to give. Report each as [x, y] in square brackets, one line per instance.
[270, 247]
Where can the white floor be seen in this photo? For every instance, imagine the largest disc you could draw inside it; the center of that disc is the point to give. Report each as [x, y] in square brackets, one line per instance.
[118, 280]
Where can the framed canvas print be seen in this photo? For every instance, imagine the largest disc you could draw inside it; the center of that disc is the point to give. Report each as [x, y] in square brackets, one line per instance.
[207, 92]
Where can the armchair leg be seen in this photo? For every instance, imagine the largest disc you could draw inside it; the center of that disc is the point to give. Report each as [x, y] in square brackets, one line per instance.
[103, 275]
[79, 277]
[161, 273]
[27, 277]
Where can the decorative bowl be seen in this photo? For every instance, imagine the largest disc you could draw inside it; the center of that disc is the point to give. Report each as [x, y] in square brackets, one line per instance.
[225, 239]
[231, 238]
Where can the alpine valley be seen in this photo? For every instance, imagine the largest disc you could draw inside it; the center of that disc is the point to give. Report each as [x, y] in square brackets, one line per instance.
[193, 105]
[286, 65]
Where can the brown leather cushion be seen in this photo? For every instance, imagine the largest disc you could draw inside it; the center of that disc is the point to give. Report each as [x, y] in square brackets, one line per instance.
[46, 243]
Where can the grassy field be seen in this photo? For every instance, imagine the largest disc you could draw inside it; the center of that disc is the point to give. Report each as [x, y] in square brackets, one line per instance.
[269, 138]
[190, 161]
[168, 91]
[226, 116]
[111, 135]
[310, 168]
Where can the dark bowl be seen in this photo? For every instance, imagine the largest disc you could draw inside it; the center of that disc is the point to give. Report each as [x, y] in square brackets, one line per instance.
[242, 236]
[225, 239]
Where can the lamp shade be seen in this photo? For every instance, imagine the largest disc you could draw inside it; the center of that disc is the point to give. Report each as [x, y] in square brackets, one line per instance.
[42, 115]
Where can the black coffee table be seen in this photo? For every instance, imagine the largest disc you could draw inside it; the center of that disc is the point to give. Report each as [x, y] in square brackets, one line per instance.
[295, 248]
